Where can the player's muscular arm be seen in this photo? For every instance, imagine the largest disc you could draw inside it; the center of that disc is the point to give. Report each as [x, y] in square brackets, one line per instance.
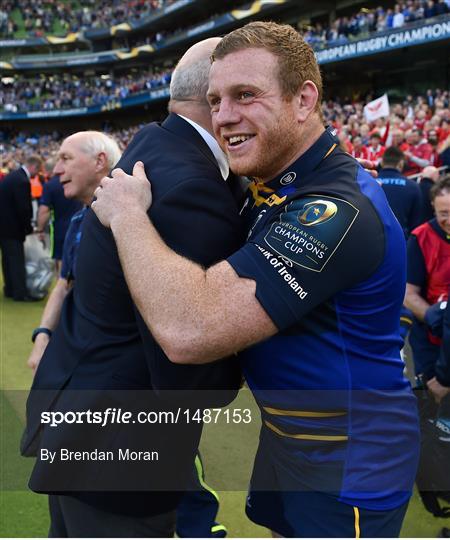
[196, 315]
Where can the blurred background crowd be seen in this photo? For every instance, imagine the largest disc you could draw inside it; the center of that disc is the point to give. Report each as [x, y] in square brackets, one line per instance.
[40, 17]
[67, 91]
[366, 21]
[419, 126]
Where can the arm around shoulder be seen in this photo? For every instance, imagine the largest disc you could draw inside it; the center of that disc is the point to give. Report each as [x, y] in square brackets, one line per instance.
[196, 315]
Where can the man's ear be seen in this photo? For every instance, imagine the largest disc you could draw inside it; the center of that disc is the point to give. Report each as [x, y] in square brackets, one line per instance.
[306, 100]
[102, 162]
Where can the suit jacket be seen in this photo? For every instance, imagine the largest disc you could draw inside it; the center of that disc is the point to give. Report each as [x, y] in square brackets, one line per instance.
[102, 343]
[15, 206]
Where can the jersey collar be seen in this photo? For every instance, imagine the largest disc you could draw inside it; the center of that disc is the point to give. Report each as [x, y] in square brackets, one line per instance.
[390, 172]
[307, 162]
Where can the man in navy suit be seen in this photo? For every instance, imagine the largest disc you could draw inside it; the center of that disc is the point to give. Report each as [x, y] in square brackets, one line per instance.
[102, 343]
[15, 223]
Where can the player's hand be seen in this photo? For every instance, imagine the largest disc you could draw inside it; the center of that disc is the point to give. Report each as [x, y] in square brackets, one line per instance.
[122, 195]
[37, 352]
[369, 166]
[436, 388]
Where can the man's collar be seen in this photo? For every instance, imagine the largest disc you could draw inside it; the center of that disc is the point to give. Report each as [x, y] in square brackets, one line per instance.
[390, 172]
[213, 146]
[307, 162]
[27, 172]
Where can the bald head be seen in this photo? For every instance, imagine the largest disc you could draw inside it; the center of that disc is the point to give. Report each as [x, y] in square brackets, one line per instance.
[94, 143]
[190, 77]
[84, 158]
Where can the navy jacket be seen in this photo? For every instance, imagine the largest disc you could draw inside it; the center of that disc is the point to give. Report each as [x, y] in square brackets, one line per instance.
[15, 206]
[102, 343]
[404, 197]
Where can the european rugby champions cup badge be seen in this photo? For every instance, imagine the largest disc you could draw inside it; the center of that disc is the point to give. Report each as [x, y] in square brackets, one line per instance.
[311, 229]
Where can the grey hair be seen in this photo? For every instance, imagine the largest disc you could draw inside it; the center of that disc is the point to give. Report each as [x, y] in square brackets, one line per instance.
[190, 82]
[96, 142]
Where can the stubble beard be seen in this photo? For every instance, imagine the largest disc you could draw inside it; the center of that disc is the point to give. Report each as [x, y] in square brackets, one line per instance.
[276, 151]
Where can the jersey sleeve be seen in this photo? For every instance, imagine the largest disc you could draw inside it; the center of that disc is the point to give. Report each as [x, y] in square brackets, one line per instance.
[67, 256]
[416, 270]
[305, 254]
[71, 243]
[46, 197]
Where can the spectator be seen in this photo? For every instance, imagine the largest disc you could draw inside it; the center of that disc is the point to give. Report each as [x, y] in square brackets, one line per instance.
[15, 224]
[428, 277]
[398, 19]
[56, 209]
[429, 177]
[419, 153]
[359, 150]
[433, 140]
[375, 148]
[403, 195]
[430, 10]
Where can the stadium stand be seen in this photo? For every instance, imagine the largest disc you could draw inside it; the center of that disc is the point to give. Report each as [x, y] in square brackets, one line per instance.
[429, 113]
[368, 21]
[37, 18]
[139, 63]
[57, 91]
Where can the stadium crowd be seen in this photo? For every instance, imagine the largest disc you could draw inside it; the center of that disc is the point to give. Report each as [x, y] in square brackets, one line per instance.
[50, 16]
[367, 21]
[419, 124]
[66, 91]
[39, 18]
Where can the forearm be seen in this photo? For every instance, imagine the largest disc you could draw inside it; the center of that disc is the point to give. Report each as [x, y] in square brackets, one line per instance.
[50, 316]
[196, 315]
[49, 319]
[421, 162]
[417, 304]
[42, 217]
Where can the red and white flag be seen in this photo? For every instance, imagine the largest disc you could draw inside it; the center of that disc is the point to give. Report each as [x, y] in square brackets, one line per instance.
[377, 108]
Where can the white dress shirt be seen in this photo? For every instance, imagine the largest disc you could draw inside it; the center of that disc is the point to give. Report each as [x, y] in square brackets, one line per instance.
[213, 145]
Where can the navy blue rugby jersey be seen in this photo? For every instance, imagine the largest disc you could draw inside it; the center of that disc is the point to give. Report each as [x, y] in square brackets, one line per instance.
[328, 258]
[71, 243]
